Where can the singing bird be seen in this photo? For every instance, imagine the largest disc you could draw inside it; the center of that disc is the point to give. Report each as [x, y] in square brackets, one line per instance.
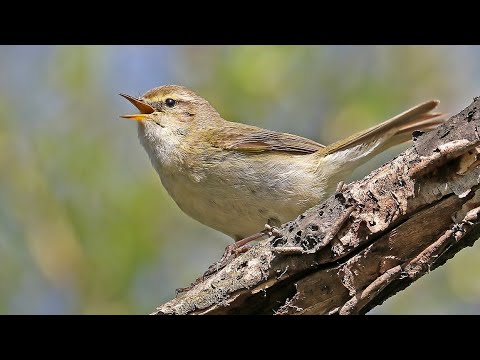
[236, 178]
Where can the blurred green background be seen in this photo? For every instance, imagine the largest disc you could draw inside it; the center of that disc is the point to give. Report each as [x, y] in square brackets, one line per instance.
[85, 225]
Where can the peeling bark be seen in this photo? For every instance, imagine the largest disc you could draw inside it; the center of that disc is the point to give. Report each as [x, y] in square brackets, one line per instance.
[365, 243]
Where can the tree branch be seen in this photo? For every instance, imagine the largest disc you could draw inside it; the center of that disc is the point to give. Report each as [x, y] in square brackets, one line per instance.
[365, 243]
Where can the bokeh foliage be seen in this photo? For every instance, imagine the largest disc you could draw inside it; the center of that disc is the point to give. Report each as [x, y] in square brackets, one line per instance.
[85, 226]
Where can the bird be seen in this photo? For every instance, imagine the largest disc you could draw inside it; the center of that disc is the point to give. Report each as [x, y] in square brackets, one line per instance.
[238, 178]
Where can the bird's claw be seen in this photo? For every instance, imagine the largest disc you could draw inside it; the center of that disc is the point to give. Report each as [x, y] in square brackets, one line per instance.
[231, 251]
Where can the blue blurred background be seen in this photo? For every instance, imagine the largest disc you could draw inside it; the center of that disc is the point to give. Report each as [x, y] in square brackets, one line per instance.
[85, 225]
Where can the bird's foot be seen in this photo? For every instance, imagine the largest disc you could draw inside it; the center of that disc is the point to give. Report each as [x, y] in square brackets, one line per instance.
[231, 252]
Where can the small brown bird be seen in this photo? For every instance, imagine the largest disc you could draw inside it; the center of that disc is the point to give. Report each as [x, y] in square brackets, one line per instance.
[236, 178]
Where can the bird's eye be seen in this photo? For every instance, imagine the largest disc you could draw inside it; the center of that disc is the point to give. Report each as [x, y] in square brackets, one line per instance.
[170, 102]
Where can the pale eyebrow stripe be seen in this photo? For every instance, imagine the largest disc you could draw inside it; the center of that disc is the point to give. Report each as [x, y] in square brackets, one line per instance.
[161, 94]
[185, 97]
[179, 97]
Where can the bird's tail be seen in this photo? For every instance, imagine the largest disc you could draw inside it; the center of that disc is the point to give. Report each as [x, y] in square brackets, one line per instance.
[366, 144]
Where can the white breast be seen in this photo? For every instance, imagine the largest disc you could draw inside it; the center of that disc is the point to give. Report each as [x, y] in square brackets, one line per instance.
[236, 193]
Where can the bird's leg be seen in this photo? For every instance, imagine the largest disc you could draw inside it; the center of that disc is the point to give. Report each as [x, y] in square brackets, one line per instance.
[231, 250]
[238, 247]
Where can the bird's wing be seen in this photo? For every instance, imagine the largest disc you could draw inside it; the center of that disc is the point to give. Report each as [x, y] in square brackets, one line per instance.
[248, 138]
[254, 139]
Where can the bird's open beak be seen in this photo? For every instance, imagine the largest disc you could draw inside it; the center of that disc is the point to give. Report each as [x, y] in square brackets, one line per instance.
[144, 108]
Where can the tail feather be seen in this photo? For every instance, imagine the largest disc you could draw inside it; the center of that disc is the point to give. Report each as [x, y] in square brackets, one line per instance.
[424, 122]
[344, 156]
[391, 132]
[405, 134]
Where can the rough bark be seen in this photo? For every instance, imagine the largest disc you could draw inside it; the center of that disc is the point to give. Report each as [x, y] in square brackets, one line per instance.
[366, 242]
